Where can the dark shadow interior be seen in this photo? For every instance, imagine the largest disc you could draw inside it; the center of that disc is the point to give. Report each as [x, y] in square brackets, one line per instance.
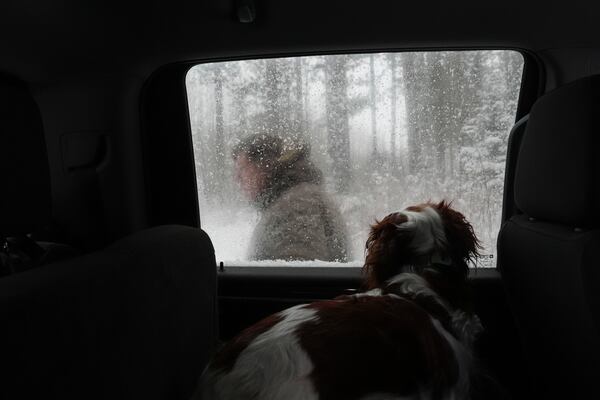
[103, 85]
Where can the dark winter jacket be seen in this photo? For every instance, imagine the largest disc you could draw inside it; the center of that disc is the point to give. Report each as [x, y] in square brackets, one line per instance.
[298, 220]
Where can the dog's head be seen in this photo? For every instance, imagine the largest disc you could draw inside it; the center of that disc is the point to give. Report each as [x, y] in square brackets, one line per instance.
[421, 236]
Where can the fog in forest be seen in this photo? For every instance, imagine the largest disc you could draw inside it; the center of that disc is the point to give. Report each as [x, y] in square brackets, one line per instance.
[387, 131]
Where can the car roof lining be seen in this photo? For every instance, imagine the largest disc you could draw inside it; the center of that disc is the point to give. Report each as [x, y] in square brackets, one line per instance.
[56, 40]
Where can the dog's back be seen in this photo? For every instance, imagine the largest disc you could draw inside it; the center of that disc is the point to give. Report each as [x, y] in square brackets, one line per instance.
[354, 347]
[407, 338]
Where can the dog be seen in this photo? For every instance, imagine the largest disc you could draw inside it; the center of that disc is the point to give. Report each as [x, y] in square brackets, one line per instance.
[407, 336]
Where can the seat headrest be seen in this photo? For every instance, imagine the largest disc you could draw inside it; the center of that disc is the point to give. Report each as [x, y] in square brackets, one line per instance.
[558, 169]
[25, 200]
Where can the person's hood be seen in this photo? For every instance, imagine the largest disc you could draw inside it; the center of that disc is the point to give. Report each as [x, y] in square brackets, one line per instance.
[292, 168]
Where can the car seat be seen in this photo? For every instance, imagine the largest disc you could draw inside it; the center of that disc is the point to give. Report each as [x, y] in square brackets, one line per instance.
[134, 320]
[547, 251]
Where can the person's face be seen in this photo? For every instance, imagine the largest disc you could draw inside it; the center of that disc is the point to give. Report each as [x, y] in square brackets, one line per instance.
[250, 176]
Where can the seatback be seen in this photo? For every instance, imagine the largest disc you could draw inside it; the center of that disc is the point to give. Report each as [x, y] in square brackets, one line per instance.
[25, 200]
[547, 253]
[25, 191]
[135, 320]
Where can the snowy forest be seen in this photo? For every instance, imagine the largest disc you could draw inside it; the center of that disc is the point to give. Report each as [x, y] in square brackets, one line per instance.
[387, 130]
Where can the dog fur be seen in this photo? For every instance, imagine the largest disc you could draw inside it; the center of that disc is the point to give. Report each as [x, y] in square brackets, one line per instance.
[408, 336]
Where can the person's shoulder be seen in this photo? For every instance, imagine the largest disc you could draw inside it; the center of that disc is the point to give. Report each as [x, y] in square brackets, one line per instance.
[304, 192]
[306, 187]
[303, 196]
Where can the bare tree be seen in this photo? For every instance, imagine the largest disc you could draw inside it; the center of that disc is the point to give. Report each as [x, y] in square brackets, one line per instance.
[393, 110]
[219, 129]
[373, 108]
[337, 119]
[414, 89]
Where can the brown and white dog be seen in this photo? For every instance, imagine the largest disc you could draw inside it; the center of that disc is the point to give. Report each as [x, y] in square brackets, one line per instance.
[408, 337]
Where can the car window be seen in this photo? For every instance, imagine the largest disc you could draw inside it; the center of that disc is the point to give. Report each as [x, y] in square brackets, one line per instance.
[297, 157]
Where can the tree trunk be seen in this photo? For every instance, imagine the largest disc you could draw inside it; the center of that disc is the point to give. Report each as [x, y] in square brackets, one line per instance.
[299, 112]
[393, 133]
[373, 106]
[219, 132]
[338, 139]
[413, 91]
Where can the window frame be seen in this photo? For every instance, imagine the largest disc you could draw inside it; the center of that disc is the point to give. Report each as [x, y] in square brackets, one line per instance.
[167, 134]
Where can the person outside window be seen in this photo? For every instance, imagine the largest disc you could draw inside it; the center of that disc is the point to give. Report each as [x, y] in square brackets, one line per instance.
[298, 219]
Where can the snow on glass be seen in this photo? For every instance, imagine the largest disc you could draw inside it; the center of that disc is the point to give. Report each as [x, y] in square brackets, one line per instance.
[386, 130]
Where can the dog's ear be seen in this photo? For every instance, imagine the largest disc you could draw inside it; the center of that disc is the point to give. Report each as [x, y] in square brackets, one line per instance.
[387, 250]
[463, 243]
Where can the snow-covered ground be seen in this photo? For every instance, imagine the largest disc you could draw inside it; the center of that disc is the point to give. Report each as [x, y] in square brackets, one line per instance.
[230, 230]
[283, 263]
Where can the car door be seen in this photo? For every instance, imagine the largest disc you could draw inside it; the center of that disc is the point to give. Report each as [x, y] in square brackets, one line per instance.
[375, 135]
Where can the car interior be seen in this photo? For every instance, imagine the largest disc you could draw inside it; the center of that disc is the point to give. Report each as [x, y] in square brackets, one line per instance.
[109, 286]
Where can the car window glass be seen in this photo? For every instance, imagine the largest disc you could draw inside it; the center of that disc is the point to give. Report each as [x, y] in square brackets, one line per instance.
[297, 157]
